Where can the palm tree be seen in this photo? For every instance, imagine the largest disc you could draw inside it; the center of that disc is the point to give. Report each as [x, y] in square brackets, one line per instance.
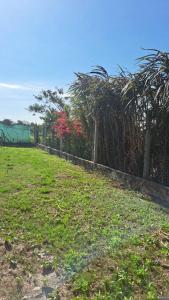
[93, 95]
[147, 94]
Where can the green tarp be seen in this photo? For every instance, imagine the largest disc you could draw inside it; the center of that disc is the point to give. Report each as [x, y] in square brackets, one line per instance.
[14, 133]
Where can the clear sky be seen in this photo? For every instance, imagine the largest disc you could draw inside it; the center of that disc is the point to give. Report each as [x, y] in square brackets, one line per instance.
[42, 42]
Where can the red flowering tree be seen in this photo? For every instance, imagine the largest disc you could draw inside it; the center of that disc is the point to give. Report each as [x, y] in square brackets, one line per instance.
[77, 127]
[65, 127]
[61, 127]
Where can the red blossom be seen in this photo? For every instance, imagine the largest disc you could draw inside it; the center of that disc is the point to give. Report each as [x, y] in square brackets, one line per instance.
[77, 127]
[64, 127]
[61, 128]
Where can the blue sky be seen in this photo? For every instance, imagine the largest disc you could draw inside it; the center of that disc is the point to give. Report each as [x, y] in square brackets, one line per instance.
[42, 42]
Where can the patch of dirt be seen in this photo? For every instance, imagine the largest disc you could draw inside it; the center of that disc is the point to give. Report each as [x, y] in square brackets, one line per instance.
[26, 272]
[65, 292]
[18, 263]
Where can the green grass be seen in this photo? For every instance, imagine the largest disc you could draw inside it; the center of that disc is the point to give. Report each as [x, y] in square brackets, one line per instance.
[106, 240]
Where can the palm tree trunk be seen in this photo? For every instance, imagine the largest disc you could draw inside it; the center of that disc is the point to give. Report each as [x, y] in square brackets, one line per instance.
[95, 142]
[146, 166]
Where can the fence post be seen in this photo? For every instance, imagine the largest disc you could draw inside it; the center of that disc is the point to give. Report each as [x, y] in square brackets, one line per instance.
[147, 144]
[95, 140]
[36, 134]
[44, 133]
[53, 138]
[61, 143]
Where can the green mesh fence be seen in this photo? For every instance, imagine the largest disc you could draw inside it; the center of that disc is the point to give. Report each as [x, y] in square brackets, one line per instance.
[14, 134]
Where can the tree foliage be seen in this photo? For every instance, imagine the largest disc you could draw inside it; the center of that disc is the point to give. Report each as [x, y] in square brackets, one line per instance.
[48, 102]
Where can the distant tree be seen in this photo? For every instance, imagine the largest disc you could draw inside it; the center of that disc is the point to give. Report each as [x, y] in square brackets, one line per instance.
[7, 122]
[19, 122]
[49, 102]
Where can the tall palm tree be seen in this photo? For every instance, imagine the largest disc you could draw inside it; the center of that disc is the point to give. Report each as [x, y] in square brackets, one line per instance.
[92, 95]
[147, 93]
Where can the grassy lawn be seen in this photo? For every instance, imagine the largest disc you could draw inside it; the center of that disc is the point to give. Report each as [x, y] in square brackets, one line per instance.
[102, 242]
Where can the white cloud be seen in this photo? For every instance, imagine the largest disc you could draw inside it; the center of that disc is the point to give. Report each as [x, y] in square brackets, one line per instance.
[13, 86]
[26, 86]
